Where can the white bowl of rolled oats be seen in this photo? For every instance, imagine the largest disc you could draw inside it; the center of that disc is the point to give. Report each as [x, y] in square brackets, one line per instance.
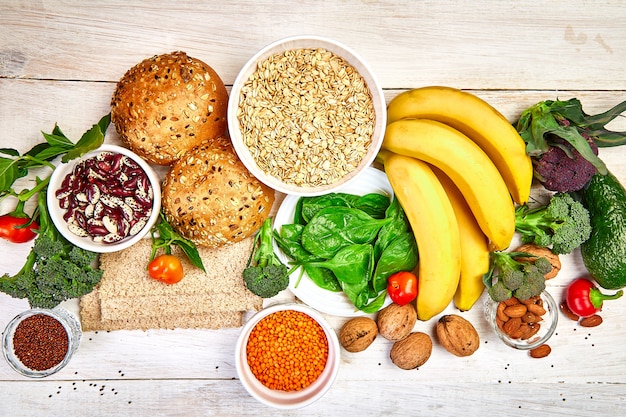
[306, 115]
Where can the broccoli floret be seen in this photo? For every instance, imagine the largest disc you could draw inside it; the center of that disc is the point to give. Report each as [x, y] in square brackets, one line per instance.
[269, 276]
[563, 223]
[509, 268]
[498, 292]
[54, 271]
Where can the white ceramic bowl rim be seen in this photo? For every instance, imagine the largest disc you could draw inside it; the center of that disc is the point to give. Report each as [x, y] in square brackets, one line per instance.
[56, 213]
[297, 42]
[283, 399]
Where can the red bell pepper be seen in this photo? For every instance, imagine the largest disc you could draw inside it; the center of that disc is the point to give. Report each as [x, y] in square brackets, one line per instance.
[585, 299]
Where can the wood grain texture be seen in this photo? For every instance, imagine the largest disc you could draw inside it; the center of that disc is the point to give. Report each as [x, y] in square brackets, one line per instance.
[59, 62]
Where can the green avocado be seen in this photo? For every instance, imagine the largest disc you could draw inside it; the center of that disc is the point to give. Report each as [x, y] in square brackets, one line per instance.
[604, 253]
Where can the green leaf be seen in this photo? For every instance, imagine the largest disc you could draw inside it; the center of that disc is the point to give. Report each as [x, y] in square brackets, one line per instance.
[57, 140]
[9, 172]
[9, 151]
[90, 140]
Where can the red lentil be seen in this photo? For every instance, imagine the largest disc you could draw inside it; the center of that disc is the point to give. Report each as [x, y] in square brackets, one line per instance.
[287, 350]
[40, 342]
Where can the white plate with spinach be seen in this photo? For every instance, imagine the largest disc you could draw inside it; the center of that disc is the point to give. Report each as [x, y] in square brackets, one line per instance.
[362, 212]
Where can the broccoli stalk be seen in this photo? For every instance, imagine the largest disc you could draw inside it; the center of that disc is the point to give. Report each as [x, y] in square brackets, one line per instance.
[510, 275]
[563, 223]
[269, 276]
[55, 270]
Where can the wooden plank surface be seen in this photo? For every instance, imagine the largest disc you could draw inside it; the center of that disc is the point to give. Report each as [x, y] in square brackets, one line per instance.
[59, 61]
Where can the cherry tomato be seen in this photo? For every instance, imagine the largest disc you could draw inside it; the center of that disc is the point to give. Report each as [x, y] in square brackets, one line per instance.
[584, 299]
[166, 268]
[402, 287]
[10, 230]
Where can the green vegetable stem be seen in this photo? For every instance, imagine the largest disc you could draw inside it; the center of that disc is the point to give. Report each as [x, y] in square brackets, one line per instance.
[268, 276]
[55, 270]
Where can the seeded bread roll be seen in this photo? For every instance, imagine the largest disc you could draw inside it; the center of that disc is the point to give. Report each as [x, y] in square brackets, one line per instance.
[211, 198]
[167, 104]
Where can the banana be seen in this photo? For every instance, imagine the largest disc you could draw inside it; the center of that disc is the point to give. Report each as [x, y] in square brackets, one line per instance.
[435, 227]
[479, 121]
[466, 164]
[474, 247]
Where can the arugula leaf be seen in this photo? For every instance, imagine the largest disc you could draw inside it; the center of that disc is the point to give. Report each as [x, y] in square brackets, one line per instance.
[168, 237]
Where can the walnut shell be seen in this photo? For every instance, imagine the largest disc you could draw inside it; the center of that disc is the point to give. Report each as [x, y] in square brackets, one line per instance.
[395, 321]
[357, 334]
[413, 351]
[457, 335]
[542, 252]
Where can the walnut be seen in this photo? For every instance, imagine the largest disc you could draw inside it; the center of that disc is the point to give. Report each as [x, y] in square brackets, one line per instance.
[457, 335]
[395, 321]
[413, 351]
[357, 334]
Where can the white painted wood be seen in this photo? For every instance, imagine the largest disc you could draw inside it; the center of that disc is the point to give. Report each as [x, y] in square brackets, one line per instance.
[59, 62]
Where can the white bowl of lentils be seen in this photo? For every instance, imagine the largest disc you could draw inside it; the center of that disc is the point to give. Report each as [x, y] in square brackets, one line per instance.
[306, 115]
[106, 200]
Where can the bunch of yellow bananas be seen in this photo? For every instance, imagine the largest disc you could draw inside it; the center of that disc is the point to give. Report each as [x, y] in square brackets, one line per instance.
[457, 166]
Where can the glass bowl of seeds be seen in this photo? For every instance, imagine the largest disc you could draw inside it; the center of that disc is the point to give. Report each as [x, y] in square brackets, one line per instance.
[106, 200]
[306, 115]
[287, 356]
[40, 342]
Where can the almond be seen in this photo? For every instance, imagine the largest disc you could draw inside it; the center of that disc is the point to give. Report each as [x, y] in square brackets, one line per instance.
[536, 309]
[591, 321]
[500, 312]
[567, 312]
[533, 329]
[531, 318]
[517, 310]
[540, 351]
[511, 301]
[512, 325]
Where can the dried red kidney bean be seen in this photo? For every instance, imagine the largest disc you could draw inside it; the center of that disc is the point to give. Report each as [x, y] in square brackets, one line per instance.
[108, 197]
[40, 342]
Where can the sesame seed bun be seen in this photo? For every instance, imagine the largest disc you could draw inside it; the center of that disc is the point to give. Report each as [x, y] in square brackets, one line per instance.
[210, 197]
[167, 104]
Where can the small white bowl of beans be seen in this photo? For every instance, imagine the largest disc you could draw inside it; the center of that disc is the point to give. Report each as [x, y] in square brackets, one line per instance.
[306, 115]
[105, 201]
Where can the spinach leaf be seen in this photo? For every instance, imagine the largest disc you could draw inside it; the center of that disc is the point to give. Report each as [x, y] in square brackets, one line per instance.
[400, 255]
[333, 228]
[373, 204]
[352, 265]
[323, 278]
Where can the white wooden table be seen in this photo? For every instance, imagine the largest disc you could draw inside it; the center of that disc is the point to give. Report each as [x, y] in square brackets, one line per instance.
[59, 62]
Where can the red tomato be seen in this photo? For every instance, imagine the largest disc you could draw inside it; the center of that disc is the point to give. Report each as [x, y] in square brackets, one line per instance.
[166, 268]
[10, 230]
[402, 287]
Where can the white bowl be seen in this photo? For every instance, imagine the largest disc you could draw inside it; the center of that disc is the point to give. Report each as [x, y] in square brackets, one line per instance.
[287, 399]
[296, 43]
[87, 242]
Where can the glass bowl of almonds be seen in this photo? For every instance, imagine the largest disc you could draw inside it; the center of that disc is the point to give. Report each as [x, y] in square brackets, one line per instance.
[306, 115]
[523, 324]
[106, 200]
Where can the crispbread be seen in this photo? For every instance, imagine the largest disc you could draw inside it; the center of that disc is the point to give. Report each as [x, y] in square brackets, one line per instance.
[127, 298]
[92, 321]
